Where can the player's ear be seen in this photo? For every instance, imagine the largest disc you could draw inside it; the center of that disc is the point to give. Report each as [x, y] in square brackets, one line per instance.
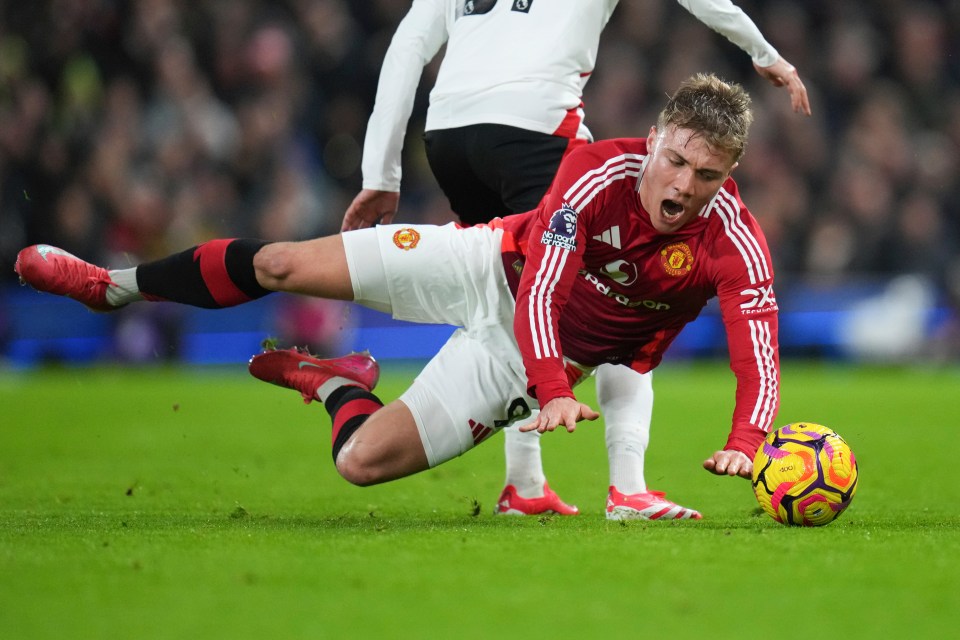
[651, 137]
[735, 165]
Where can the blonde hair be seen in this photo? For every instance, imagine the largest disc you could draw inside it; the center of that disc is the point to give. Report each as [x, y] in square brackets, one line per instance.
[717, 110]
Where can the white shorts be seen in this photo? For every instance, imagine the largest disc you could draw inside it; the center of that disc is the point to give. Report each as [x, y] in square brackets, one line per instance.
[476, 384]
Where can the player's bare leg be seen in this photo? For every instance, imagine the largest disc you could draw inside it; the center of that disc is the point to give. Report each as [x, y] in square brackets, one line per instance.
[385, 448]
[312, 267]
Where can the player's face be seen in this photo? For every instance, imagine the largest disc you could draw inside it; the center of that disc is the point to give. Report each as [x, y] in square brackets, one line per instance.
[682, 176]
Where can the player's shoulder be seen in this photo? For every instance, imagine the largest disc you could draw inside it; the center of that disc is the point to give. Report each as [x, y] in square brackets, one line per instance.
[733, 233]
[727, 211]
[601, 151]
[600, 170]
[623, 155]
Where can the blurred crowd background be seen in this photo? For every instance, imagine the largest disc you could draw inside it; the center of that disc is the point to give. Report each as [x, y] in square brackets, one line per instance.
[132, 129]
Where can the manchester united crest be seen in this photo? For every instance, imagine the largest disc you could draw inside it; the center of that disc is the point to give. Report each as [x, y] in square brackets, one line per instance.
[406, 238]
[676, 259]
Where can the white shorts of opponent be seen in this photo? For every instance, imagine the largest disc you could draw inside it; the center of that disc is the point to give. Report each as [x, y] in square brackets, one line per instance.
[476, 384]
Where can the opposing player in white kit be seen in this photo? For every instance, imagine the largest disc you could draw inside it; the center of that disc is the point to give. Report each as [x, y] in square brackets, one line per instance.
[505, 109]
[542, 298]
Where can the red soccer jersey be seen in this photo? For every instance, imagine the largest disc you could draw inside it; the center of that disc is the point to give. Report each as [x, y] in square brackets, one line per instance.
[595, 282]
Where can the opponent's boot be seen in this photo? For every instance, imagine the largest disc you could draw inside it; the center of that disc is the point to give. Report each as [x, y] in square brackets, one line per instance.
[649, 505]
[510, 503]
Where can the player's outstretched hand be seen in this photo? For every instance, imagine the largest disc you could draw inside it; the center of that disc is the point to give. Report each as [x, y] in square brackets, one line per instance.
[783, 74]
[566, 412]
[370, 206]
[729, 463]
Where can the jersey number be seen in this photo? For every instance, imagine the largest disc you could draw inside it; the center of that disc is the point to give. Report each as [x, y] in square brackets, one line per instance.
[518, 410]
[480, 7]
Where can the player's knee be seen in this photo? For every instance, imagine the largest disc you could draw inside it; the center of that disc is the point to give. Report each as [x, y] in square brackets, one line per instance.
[274, 263]
[359, 469]
[373, 458]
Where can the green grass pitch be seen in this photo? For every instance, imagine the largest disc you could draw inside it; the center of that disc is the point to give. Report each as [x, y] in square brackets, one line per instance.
[200, 503]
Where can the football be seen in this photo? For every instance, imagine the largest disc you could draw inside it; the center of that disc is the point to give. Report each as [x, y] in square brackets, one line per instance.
[804, 474]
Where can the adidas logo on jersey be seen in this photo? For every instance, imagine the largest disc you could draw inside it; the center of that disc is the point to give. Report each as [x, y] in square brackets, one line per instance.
[611, 236]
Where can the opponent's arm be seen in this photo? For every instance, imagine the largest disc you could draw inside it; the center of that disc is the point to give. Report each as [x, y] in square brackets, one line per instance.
[783, 74]
[419, 36]
[730, 21]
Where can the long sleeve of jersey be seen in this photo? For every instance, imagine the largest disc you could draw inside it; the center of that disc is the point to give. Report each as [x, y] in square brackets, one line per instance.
[731, 22]
[417, 40]
[554, 255]
[744, 276]
[552, 265]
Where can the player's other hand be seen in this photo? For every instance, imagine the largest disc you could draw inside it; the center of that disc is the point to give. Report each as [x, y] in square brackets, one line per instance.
[729, 463]
[369, 207]
[783, 74]
[565, 412]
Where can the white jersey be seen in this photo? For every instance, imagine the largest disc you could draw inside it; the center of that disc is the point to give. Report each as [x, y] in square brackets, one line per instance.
[521, 63]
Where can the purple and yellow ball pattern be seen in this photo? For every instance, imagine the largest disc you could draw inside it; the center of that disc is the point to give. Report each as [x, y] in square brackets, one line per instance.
[804, 474]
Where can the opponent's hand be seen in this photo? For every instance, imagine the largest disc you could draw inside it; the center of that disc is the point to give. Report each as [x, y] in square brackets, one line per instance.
[729, 463]
[566, 412]
[370, 206]
[783, 74]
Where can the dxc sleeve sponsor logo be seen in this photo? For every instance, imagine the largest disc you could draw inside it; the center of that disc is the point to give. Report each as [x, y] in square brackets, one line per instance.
[760, 300]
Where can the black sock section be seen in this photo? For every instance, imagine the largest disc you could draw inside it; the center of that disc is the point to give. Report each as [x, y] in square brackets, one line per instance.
[239, 261]
[212, 275]
[349, 407]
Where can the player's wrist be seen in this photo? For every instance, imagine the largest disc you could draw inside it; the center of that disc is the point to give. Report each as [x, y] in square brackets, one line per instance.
[381, 186]
[745, 443]
[545, 392]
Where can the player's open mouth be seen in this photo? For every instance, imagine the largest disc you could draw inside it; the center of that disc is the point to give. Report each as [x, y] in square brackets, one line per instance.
[671, 209]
